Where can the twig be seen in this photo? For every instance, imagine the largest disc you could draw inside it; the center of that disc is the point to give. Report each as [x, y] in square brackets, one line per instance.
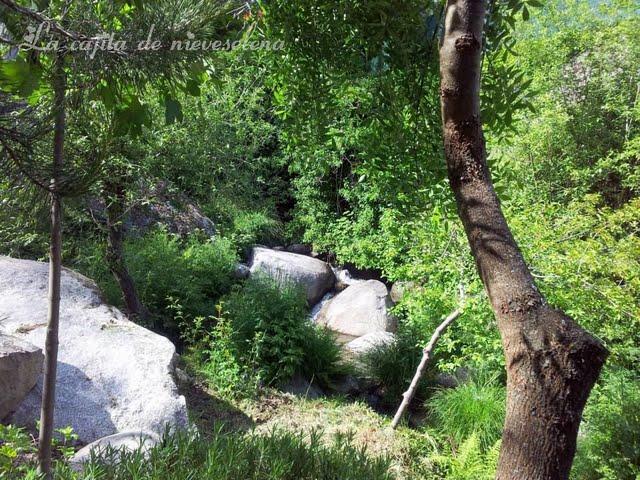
[40, 18]
[410, 393]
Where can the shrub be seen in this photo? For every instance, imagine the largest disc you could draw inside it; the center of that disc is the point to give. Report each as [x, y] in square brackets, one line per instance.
[322, 361]
[14, 444]
[476, 407]
[251, 228]
[194, 274]
[214, 356]
[265, 328]
[269, 328]
[17, 448]
[176, 280]
[609, 444]
[211, 265]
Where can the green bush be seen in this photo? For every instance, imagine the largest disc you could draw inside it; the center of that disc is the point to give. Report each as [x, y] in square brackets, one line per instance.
[269, 325]
[322, 361]
[163, 268]
[476, 407]
[609, 443]
[235, 456]
[211, 266]
[176, 280]
[17, 449]
[214, 357]
[14, 444]
[250, 228]
[265, 328]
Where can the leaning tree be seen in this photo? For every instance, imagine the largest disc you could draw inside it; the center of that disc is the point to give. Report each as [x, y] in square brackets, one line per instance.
[552, 363]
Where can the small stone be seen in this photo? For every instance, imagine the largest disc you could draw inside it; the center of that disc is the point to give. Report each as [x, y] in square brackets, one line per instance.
[109, 448]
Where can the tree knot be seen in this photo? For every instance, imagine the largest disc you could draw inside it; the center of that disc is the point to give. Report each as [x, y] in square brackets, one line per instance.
[521, 304]
[467, 42]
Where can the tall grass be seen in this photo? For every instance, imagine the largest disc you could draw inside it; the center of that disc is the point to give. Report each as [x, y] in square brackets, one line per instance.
[234, 456]
[609, 440]
[476, 407]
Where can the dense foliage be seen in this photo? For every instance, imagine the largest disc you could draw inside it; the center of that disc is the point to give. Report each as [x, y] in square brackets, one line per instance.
[335, 141]
[262, 336]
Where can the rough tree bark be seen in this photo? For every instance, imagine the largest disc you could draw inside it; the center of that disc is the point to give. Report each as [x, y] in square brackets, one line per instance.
[552, 363]
[55, 270]
[114, 197]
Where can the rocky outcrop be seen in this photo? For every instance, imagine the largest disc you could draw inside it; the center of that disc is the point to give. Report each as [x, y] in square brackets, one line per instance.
[20, 368]
[360, 309]
[158, 205]
[314, 276]
[113, 375]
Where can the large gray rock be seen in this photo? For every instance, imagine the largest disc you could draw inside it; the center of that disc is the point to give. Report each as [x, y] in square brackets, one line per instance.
[360, 309]
[113, 375]
[313, 275]
[20, 368]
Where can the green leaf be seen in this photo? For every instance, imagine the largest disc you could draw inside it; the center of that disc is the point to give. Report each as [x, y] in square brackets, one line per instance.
[193, 88]
[130, 118]
[525, 13]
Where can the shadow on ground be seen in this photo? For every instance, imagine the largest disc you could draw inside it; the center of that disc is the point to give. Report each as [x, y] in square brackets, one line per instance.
[210, 413]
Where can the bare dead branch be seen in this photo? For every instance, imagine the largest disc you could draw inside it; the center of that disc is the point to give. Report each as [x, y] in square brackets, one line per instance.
[411, 391]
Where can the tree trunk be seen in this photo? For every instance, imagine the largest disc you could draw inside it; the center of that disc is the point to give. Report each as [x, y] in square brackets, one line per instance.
[114, 197]
[552, 363]
[55, 269]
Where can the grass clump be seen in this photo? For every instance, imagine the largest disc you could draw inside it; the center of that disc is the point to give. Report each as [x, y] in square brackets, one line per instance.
[476, 407]
[392, 366]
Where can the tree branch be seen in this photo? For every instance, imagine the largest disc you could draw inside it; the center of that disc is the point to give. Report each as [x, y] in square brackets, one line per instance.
[40, 18]
[410, 393]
